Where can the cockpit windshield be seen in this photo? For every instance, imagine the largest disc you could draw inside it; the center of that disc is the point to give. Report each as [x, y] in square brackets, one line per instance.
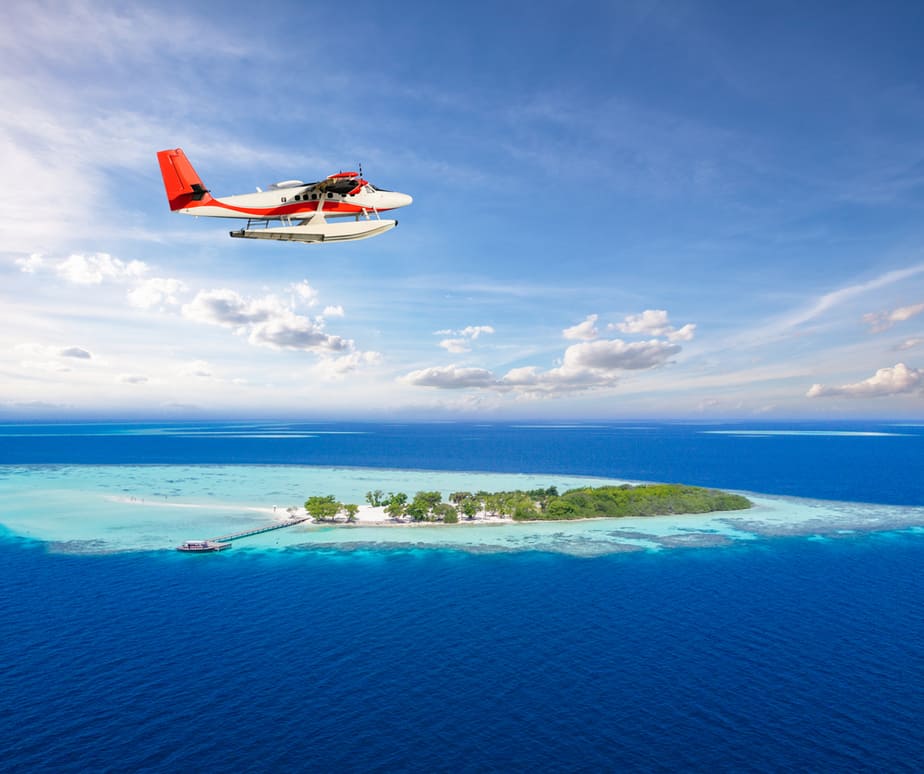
[343, 186]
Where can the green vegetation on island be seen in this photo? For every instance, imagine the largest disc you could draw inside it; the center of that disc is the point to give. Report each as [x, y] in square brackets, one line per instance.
[536, 504]
[644, 500]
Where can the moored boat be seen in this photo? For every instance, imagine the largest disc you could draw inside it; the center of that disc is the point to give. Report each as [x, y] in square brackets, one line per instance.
[202, 546]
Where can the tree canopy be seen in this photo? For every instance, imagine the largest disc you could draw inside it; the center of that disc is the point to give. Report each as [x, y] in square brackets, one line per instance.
[541, 504]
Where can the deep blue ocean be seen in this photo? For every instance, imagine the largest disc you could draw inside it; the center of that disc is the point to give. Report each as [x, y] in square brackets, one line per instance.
[783, 654]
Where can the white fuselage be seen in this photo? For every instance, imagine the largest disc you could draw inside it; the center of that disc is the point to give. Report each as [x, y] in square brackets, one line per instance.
[299, 201]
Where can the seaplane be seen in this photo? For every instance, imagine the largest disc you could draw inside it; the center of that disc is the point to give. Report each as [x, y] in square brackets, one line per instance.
[288, 211]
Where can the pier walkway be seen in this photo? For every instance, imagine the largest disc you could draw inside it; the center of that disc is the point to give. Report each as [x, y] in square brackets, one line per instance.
[224, 541]
[259, 530]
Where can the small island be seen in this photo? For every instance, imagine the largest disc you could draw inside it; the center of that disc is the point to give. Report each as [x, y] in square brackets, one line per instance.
[607, 502]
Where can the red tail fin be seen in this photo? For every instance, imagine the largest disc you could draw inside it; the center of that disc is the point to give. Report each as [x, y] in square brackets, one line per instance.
[184, 187]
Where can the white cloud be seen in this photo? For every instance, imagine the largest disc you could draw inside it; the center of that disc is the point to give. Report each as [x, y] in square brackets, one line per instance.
[93, 269]
[82, 269]
[462, 338]
[882, 321]
[51, 358]
[226, 307]
[651, 322]
[333, 311]
[836, 297]
[525, 376]
[909, 344]
[654, 322]
[334, 368]
[156, 292]
[456, 346]
[615, 354]
[31, 265]
[896, 380]
[474, 331]
[585, 330]
[267, 321]
[89, 34]
[305, 292]
[292, 331]
[132, 379]
[198, 368]
[451, 377]
[906, 312]
[589, 365]
[685, 333]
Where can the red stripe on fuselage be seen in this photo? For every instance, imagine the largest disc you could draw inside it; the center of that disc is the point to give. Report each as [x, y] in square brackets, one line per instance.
[330, 206]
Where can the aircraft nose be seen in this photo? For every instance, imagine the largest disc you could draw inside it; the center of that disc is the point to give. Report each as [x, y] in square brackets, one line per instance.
[402, 200]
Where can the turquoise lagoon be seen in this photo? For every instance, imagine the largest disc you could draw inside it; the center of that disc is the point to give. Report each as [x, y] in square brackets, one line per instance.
[112, 508]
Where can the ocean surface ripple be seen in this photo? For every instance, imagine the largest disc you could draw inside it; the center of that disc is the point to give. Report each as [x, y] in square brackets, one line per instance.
[792, 652]
[753, 658]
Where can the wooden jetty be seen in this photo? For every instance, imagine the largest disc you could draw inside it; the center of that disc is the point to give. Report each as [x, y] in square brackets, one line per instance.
[225, 540]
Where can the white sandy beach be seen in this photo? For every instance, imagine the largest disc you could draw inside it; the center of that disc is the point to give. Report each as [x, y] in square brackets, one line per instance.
[366, 515]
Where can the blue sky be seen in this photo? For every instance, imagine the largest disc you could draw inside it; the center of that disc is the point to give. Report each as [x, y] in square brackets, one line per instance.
[641, 209]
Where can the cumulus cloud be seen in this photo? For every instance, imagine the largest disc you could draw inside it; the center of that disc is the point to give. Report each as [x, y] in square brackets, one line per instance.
[882, 321]
[156, 292]
[334, 368]
[615, 354]
[451, 377]
[585, 330]
[685, 333]
[591, 364]
[266, 321]
[651, 322]
[82, 269]
[530, 381]
[333, 311]
[462, 339]
[292, 331]
[456, 346]
[896, 380]
[226, 307]
[305, 292]
[93, 269]
[654, 322]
